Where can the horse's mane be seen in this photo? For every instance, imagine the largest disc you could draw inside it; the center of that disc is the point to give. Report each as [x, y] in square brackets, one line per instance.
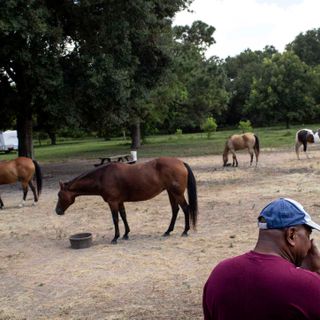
[84, 174]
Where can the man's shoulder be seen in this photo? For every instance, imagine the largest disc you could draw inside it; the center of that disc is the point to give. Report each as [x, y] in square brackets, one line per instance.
[314, 277]
[237, 259]
[233, 262]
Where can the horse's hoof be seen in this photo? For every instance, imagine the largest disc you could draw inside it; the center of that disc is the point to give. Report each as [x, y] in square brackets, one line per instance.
[114, 241]
[184, 234]
[166, 234]
[125, 237]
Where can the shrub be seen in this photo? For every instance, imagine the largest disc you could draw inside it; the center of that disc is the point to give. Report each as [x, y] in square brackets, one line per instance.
[179, 132]
[209, 126]
[245, 126]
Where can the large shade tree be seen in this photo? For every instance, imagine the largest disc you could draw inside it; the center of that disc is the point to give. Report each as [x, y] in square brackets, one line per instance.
[114, 51]
[122, 49]
[32, 42]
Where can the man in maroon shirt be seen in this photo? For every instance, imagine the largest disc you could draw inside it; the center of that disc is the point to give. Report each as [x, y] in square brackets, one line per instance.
[278, 280]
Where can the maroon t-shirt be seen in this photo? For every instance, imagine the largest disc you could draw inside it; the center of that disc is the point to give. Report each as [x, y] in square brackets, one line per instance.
[257, 286]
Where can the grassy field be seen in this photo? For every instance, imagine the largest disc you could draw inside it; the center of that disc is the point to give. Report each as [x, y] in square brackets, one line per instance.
[184, 145]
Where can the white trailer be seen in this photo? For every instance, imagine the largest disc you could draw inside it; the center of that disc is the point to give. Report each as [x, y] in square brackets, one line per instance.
[8, 140]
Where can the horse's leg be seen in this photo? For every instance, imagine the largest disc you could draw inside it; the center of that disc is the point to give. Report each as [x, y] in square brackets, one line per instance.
[251, 156]
[125, 222]
[25, 192]
[297, 146]
[1, 204]
[185, 207]
[256, 152]
[115, 217]
[305, 144]
[34, 191]
[175, 209]
[234, 158]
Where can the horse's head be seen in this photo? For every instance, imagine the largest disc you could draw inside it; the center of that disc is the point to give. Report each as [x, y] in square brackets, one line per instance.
[310, 137]
[65, 199]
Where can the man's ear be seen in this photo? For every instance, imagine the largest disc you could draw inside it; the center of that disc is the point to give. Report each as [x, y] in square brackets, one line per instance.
[290, 234]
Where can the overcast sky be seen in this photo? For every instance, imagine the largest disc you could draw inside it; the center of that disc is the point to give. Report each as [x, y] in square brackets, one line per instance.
[242, 24]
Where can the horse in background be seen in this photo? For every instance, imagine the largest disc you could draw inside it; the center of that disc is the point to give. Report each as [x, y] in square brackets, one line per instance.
[305, 136]
[239, 142]
[22, 169]
[118, 182]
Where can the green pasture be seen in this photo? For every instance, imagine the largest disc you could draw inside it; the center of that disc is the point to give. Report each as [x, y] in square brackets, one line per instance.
[183, 145]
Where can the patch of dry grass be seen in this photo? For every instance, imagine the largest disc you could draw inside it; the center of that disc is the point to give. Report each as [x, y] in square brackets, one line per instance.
[147, 277]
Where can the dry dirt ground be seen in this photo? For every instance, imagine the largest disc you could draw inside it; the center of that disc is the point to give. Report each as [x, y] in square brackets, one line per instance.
[147, 277]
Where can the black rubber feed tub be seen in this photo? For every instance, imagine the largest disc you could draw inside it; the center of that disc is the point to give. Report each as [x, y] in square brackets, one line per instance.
[81, 240]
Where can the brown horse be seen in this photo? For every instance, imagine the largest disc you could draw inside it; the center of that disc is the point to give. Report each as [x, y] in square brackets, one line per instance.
[118, 182]
[238, 142]
[21, 169]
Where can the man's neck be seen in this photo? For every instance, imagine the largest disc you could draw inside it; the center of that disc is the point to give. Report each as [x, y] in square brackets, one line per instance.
[271, 242]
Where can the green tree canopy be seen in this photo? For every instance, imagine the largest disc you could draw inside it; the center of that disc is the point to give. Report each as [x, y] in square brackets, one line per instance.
[307, 47]
[32, 42]
[97, 58]
[283, 92]
[197, 84]
[241, 70]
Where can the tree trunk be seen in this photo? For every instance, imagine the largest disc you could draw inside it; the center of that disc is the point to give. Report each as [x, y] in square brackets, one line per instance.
[24, 130]
[53, 138]
[287, 123]
[135, 136]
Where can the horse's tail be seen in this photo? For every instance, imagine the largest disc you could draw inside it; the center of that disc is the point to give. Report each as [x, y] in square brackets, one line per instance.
[192, 196]
[226, 151]
[257, 144]
[38, 176]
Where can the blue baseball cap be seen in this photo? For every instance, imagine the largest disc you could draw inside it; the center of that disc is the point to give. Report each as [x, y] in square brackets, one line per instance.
[284, 212]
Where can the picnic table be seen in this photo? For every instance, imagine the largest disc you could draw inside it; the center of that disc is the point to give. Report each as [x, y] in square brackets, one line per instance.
[127, 158]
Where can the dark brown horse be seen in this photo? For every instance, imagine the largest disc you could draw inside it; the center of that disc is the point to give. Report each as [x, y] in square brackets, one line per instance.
[118, 182]
[239, 142]
[22, 169]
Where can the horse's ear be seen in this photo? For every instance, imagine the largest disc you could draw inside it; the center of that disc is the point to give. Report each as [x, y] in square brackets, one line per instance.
[61, 185]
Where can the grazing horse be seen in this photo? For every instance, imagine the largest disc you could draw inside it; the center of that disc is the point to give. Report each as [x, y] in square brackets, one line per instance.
[119, 182]
[305, 136]
[239, 142]
[22, 169]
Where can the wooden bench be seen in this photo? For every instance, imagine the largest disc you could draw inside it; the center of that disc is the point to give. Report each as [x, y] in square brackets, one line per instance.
[127, 158]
